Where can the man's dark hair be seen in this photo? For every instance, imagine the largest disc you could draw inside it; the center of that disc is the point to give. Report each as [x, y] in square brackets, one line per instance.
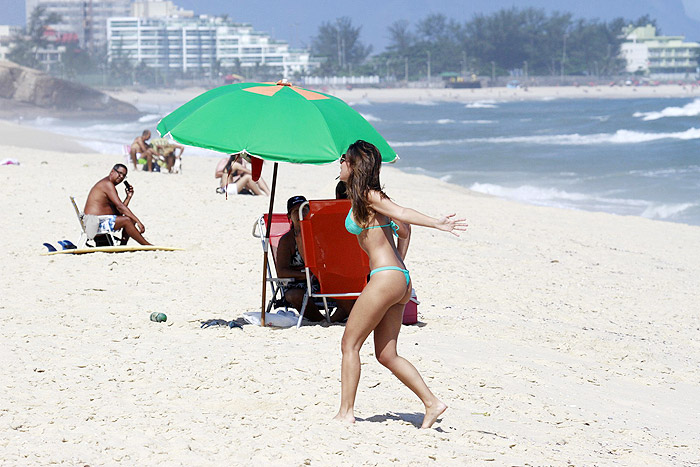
[146, 132]
[341, 191]
[119, 166]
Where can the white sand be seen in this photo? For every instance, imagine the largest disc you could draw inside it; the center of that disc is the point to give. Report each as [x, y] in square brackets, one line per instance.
[155, 99]
[556, 337]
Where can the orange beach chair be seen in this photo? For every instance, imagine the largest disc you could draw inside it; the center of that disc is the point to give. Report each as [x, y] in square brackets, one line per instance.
[331, 253]
[280, 226]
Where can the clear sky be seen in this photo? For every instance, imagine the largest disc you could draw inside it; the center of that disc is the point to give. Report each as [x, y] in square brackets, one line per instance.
[297, 21]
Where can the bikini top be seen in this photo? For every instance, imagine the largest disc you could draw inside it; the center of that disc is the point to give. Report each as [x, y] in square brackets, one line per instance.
[355, 229]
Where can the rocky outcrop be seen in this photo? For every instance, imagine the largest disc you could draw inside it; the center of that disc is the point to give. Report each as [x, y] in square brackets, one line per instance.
[27, 88]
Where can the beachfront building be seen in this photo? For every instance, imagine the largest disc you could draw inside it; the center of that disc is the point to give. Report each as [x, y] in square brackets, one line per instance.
[7, 34]
[86, 18]
[202, 46]
[660, 57]
[158, 9]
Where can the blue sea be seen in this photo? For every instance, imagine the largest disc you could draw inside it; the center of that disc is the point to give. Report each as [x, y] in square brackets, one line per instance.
[631, 157]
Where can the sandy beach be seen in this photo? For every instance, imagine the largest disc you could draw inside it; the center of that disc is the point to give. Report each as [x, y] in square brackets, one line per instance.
[156, 98]
[556, 337]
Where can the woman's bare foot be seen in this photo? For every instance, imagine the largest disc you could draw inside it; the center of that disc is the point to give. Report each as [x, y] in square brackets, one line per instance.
[432, 413]
[347, 418]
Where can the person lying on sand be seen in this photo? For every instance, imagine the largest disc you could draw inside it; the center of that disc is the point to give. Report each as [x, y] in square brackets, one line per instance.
[103, 208]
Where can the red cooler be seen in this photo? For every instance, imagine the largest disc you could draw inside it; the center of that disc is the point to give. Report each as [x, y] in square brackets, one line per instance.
[410, 311]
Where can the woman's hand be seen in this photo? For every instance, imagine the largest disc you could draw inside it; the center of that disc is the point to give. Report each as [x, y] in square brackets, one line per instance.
[448, 224]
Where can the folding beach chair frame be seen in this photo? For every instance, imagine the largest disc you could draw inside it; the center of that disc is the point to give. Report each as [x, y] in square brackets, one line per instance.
[82, 242]
[359, 255]
[277, 284]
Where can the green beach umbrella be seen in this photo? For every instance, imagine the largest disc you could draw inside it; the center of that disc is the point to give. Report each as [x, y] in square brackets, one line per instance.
[275, 122]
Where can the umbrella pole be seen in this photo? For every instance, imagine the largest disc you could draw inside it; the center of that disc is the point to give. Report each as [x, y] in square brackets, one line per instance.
[267, 243]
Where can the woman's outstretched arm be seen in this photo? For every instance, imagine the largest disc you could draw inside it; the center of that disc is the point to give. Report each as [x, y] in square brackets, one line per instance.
[392, 210]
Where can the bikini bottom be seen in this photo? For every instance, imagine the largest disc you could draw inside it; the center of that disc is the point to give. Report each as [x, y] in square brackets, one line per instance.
[392, 268]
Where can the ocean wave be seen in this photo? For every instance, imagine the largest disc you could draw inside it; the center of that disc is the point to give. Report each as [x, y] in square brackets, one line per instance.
[575, 139]
[444, 121]
[371, 118]
[689, 110]
[481, 105]
[554, 197]
[428, 103]
[665, 211]
[359, 102]
[149, 118]
[691, 169]
[528, 193]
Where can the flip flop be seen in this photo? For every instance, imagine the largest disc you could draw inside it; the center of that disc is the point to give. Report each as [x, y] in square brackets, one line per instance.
[220, 322]
[67, 245]
[50, 247]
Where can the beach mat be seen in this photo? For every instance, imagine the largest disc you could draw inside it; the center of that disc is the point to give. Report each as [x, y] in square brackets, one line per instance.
[111, 249]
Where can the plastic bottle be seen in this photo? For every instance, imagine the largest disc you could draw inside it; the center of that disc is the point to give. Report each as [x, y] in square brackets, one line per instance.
[158, 317]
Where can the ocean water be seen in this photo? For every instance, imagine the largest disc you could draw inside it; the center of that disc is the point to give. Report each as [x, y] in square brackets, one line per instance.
[630, 157]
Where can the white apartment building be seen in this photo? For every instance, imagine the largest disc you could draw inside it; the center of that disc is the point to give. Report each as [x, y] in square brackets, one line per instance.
[86, 18]
[7, 34]
[158, 9]
[200, 44]
[667, 57]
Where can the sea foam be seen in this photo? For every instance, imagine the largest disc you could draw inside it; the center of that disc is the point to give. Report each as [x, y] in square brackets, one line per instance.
[689, 110]
[575, 139]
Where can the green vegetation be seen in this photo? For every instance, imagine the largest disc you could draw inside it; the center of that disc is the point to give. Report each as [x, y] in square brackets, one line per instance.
[510, 41]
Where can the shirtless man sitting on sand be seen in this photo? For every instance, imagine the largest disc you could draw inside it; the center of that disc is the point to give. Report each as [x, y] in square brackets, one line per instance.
[140, 146]
[103, 208]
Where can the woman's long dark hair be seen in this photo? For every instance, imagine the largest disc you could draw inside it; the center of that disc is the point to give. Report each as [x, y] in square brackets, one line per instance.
[365, 161]
[231, 159]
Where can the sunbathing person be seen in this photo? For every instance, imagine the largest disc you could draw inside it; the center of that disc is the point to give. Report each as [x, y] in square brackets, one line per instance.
[235, 174]
[166, 148]
[140, 146]
[105, 211]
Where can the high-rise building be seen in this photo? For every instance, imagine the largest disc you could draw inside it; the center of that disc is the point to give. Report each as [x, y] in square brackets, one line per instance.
[86, 18]
[200, 44]
[7, 34]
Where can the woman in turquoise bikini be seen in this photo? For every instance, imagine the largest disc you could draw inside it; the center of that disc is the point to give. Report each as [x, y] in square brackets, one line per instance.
[380, 306]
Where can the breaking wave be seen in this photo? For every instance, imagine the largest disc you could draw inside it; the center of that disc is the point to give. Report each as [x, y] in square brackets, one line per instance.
[689, 110]
[575, 139]
[563, 199]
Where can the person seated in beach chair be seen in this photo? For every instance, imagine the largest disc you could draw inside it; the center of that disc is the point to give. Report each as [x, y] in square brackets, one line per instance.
[140, 146]
[237, 178]
[105, 211]
[290, 263]
[166, 148]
